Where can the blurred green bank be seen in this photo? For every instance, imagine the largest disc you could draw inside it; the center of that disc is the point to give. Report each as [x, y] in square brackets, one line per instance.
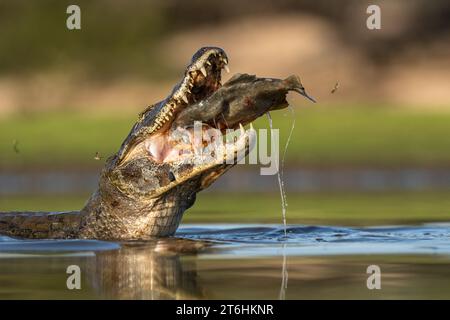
[323, 136]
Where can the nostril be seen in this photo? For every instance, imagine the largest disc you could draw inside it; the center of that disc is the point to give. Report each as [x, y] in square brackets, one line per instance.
[171, 176]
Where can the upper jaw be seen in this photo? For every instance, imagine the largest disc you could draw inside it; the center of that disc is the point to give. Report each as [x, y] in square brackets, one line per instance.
[202, 77]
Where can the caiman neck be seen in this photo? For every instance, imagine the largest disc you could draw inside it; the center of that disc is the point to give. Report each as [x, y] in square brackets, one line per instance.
[109, 214]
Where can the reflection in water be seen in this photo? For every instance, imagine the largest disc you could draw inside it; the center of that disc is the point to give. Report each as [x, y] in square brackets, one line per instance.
[166, 270]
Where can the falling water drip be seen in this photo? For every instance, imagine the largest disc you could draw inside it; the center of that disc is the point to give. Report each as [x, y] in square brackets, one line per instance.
[280, 182]
[284, 276]
[285, 150]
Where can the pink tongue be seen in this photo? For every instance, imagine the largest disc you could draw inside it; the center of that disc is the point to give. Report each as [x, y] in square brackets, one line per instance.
[157, 147]
[163, 148]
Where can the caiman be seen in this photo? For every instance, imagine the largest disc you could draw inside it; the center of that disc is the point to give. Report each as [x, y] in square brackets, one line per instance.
[147, 185]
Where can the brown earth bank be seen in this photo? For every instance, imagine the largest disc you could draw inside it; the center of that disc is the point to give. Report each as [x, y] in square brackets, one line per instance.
[274, 46]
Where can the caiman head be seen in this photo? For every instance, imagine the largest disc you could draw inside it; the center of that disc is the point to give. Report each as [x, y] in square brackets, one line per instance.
[154, 177]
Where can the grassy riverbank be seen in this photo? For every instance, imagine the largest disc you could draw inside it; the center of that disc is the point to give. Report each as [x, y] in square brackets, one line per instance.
[328, 136]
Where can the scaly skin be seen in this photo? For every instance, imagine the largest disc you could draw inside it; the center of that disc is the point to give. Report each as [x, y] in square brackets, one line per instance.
[147, 185]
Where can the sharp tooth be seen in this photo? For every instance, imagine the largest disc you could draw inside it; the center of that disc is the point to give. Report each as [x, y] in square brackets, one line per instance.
[225, 60]
[208, 63]
[203, 71]
[226, 68]
[185, 99]
[167, 118]
[251, 126]
[170, 113]
[242, 128]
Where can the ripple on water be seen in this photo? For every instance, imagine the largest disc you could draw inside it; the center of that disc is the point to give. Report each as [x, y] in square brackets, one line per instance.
[324, 240]
[267, 240]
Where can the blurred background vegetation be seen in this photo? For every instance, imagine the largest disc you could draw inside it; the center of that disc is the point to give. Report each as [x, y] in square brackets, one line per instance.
[68, 95]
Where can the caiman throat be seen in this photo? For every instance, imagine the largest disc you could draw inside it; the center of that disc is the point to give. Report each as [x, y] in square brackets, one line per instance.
[145, 188]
